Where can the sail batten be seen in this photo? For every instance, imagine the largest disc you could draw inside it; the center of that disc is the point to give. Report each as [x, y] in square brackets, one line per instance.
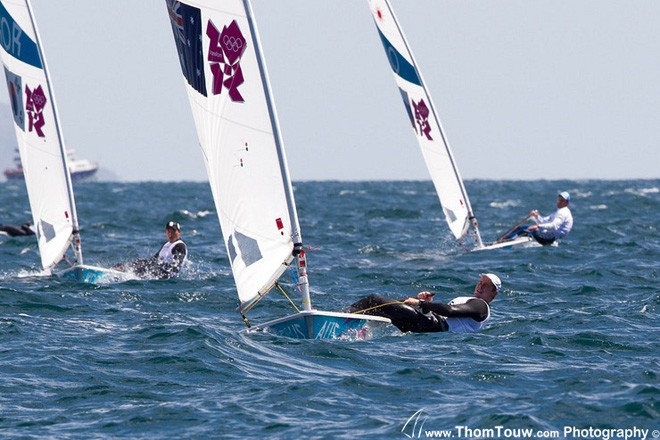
[425, 122]
[38, 133]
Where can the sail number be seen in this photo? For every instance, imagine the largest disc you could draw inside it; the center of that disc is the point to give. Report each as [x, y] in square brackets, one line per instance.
[10, 36]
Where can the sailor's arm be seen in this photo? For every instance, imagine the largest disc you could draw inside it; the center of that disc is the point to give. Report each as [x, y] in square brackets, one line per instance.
[475, 308]
[552, 222]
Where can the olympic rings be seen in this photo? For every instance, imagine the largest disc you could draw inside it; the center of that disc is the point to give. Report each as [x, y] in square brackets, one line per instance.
[232, 43]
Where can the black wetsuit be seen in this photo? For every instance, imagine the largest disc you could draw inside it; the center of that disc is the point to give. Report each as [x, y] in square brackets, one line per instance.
[411, 319]
[154, 267]
[13, 231]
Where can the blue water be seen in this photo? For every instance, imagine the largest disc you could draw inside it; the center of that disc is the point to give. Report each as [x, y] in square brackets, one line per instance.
[573, 341]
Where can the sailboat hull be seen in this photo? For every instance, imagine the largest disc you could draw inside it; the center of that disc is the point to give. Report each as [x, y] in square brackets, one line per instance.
[317, 324]
[92, 274]
[518, 242]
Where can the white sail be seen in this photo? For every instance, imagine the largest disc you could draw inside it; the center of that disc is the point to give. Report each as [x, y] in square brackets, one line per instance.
[225, 75]
[425, 122]
[227, 85]
[37, 131]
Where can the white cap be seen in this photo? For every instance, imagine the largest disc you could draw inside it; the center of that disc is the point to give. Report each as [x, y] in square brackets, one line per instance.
[495, 279]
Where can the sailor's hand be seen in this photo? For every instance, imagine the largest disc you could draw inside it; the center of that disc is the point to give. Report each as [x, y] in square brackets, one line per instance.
[533, 228]
[413, 302]
[425, 296]
[534, 213]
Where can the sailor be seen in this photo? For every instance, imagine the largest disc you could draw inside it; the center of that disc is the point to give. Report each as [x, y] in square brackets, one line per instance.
[465, 314]
[13, 231]
[547, 230]
[167, 262]
[554, 226]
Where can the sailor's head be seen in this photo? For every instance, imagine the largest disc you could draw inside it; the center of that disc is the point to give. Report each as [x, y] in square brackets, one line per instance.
[563, 199]
[173, 231]
[173, 225]
[488, 287]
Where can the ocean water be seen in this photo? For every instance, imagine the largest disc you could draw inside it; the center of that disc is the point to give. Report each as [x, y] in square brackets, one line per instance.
[572, 344]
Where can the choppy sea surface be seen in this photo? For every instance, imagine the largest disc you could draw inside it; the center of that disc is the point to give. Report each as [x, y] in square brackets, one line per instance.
[572, 343]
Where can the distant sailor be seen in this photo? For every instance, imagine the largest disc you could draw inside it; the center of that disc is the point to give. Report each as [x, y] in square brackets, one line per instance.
[465, 314]
[167, 262]
[550, 228]
[17, 231]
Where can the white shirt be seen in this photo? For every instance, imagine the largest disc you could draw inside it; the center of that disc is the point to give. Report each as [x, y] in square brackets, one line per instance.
[165, 255]
[556, 225]
[466, 325]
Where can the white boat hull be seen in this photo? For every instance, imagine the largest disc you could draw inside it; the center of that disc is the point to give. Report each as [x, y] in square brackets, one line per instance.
[520, 242]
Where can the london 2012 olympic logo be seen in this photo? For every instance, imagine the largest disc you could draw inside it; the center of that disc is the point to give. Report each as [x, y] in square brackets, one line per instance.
[225, 51]
[34, 107]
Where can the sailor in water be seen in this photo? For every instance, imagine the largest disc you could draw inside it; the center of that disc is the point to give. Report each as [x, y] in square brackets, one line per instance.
[547, 230]
[167, 262]
[464, 314]
[25, 229]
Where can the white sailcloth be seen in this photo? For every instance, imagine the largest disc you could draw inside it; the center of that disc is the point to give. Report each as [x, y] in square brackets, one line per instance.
[37, 131]
[426, 124]
[227, 86]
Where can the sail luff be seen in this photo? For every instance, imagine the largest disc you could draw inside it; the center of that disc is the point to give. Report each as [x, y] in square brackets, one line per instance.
[471, 219]
[75, 238]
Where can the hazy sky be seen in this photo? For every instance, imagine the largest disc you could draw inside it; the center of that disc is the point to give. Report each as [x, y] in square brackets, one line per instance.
[525, 90]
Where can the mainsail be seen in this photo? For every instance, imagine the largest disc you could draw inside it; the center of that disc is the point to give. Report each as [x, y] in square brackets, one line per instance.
[229, 91]
[38, 133]
[425, 122]
[238, 132]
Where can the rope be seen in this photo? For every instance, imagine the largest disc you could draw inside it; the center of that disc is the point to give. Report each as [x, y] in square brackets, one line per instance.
[245, 320]
[287, 297]
[296, 280]
[460, 243]
[294, 274]
[261, 296]
[375, 307]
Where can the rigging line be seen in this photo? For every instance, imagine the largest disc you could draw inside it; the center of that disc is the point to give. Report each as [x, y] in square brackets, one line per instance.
[261, 296]
[375, 307]
[287, 297]
[296, 280]
[460, 243]
[471, 234]
[294, 274]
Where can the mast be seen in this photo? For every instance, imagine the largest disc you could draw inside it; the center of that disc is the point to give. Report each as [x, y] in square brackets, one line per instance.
[75, 238]
[298, 252]
[471, 217]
